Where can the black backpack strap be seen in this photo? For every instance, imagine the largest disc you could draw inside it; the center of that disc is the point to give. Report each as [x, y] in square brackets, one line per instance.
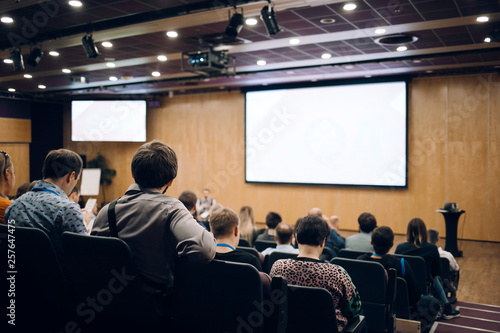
[112, 219]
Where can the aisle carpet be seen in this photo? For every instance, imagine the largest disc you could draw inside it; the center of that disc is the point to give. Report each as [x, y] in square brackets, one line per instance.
[474, 318]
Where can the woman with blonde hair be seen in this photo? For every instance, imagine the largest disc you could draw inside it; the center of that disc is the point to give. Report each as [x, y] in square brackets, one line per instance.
[248, 229]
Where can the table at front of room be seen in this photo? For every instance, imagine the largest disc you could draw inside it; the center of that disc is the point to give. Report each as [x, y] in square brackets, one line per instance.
[451, 222]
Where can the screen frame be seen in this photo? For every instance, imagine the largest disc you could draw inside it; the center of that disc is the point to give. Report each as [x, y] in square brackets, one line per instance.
[406, 79]
[110, 100]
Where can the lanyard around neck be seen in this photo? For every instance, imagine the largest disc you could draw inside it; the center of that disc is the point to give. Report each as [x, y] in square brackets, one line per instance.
[39, 189]
[225, 245]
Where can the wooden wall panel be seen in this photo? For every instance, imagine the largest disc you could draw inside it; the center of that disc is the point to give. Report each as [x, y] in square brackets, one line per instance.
[20, 154]
[453, 144]
[15, 130]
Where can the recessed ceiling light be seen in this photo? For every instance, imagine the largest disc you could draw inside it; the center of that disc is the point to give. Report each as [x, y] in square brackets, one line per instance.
[8, 61]
[107, 44]
[368, 76]
[54, 53]
[251, 21]
[350, 6]
[261, 62]
[483, 19]
[326, 56]
[380, 31]
[294, 41]
[162, 58]
[172, 34]
[401, 48]
[41, 86]
[75, 3]
[113, 78]
[111, 64]
[487, 40]
[28, 76]
[156, 74]
[12, 90]
[417, 61]
[6, 19]
[348, 66]
[327, 21]
[66, 70]
[290, 72]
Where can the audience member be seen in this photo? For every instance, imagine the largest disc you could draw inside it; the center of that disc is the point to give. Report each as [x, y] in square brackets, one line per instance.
[454, 268]
[308, 270]
[417, 245]
[88, 216]
[335, 242]
[224, 224]
[47, 205]
[248, 229]
[23, 188]
[362, 240]
[272, 220]
[204, 204]
[284, 238]
[188, 199]
[158, 228]
[7, 183]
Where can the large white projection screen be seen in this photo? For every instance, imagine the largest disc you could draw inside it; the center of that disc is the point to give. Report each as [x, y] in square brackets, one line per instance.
[337, 135]
[118, 120]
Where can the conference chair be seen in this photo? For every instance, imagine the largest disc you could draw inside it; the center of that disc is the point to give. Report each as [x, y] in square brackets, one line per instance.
[402, 302]
[243, 242]
[252, 251]
[327, 254]
[377, 289]
[311, 309]
[262, 245]
[450, 291]
[36, 280]
[419, 270]
[351, 254]
[276, 255]
[220, 296]
[102, 269]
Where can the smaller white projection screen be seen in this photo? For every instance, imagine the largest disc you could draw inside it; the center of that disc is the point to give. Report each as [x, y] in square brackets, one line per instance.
[123, 121]
[352, 135]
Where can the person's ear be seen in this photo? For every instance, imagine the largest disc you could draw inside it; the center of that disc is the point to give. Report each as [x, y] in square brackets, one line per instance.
[236, 231]
[276, 238]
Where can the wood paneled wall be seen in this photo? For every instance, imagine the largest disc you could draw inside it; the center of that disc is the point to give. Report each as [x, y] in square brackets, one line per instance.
[454, 155]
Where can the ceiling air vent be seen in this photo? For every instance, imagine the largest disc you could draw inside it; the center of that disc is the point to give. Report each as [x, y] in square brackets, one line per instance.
[396, 39]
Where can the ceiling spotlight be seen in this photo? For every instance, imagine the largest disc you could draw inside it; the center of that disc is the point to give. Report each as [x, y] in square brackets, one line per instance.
[251, 21]
[172, 34]
[113, 78]
[107, 44]
[268, 16]
[75, 3]
[162, 58]
[235, 25]
[111, 64]
[12, 90]
[17, 60]
[6, 19]
[156, 74]
[54, 53]
[8, 61]
[41, 86]
[483, 19]
[327, 20]
[28, 76]
[261, 62]
[66, 70]
[89, 46]
[487, 40]
[401, 48]
[326, 56]
[380, 31]
[35, 56]
[350, 6]
[294, 41]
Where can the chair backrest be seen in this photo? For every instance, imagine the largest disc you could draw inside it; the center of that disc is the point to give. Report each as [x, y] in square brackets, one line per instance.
[350, 254]
[376, 288]
[327, 254]
[42, 292]
[445, 269]
[220, 296]
[262, 245]
[276, 255]
[243, 242]
[103, 268]
[402, 304]
[419, 270]
[250, 250]
[310, 309]
[279, 298]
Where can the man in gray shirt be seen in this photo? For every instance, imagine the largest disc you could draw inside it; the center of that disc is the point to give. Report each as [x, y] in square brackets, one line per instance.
[362, 241]
[157, 228]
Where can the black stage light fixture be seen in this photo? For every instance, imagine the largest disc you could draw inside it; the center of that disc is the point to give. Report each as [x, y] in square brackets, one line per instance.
[89, 46]
[17, 60]
[268, 16]
[235, 25]
[34, 57]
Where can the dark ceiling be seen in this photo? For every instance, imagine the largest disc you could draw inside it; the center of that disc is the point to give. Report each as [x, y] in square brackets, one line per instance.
[450, 42]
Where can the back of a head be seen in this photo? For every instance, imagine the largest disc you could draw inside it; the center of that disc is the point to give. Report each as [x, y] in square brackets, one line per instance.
[433, 236]
[315, 211]
[382, 240]
[23, 188]
[154, 165]
[416, 233]
[272, 220]
[246, 214]
[188, 199]
[312, 230]
[284, 233]
[58, 163]
[223, 221]
[367, 222]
